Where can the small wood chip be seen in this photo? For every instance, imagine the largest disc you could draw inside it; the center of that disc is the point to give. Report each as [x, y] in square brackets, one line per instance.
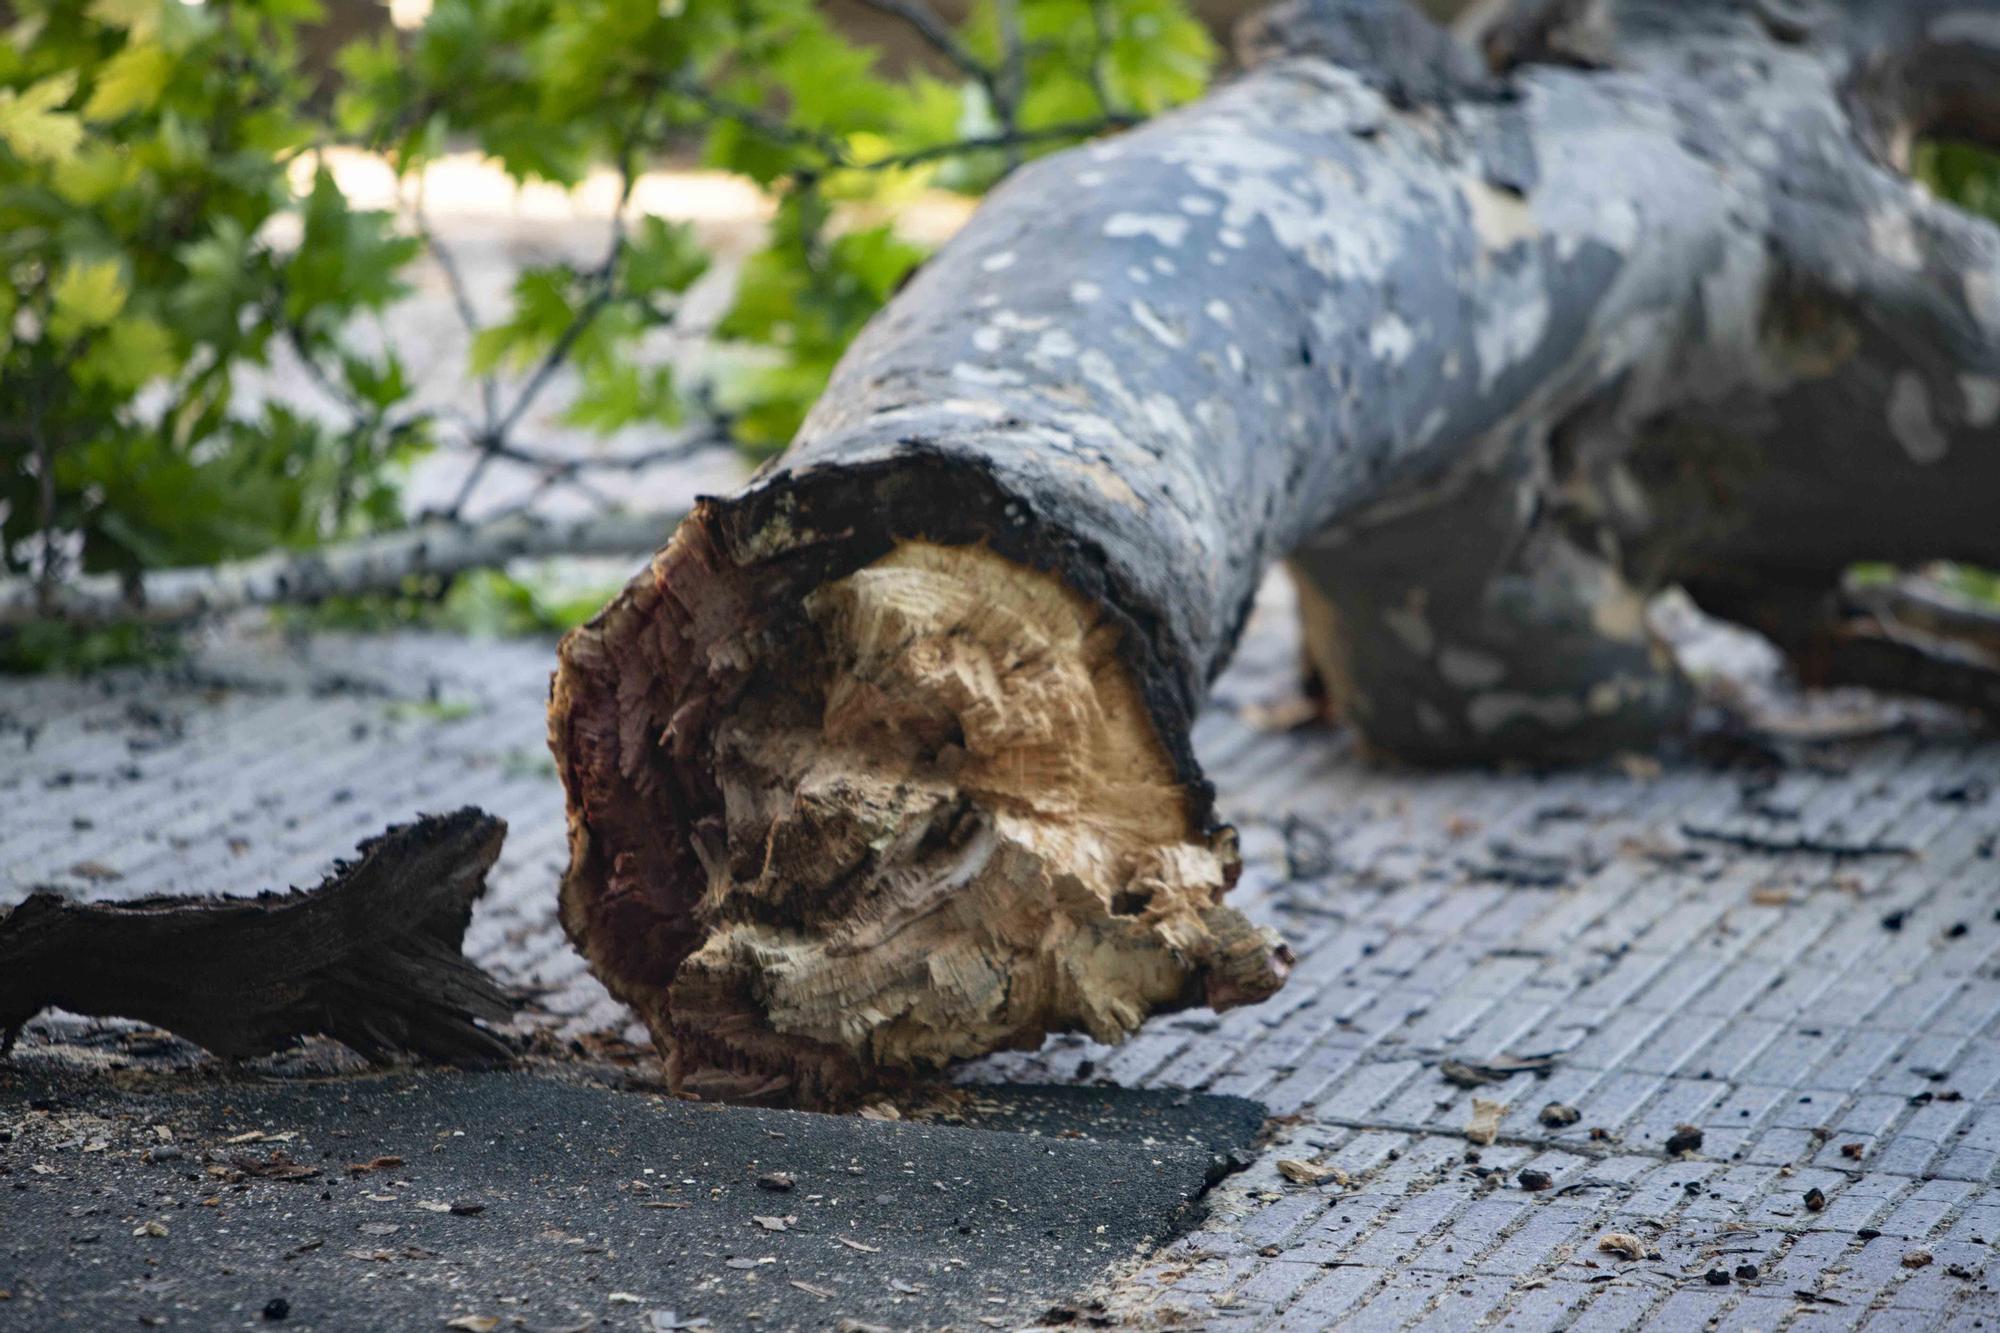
[1485, 1126]
[374, 1164]
[1310, 1173]
[1684, 1139]
[779, 1181]
[474, 1323]
[744, 1264]
[1623, 1244]
[1917, 1259]
[809, 1289]
[159, 1229]
[897, 1284]
[773, 1223]
[857, 1245]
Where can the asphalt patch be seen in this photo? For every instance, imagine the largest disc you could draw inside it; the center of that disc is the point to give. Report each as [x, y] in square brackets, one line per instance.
[414, 1200]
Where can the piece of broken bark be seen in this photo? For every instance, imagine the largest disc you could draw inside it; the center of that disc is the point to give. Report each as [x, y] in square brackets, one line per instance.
[370, 957]
[886, 760]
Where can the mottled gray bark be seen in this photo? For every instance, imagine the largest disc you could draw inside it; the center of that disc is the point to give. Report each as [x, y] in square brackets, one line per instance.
[1494, 360]
[1490, 349]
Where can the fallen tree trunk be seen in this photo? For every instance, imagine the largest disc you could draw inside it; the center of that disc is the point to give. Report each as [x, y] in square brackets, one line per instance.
[370, 957]
[885, 761]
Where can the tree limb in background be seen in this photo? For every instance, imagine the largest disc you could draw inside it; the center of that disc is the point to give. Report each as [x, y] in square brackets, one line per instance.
[886, 761]
[370, 957]
[380, 564]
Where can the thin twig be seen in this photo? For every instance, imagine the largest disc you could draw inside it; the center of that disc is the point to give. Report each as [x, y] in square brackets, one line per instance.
[932, 27]
[45, 469]
[1015, 140]
[1100, 87]
[1013, 81]
[1801, 845]
[764, 123]
[461, 297]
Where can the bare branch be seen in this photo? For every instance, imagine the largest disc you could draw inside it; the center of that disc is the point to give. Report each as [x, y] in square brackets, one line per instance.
[932, 27]
[1013, 141]
[366, 565]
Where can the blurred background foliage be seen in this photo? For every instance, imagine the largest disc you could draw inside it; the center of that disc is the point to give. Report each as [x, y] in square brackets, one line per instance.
[167, 221]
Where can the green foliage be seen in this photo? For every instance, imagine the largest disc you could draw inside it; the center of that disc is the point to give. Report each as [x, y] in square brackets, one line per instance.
[167, 221]
[768, 89]
[144, 151]
[1964, 173]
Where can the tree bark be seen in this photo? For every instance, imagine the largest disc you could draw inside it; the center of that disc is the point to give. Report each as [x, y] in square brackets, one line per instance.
[885, 761]
[370, 957]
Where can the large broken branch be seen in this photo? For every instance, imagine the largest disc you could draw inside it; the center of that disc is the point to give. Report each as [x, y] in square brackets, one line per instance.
[886, 760]
[370, 957]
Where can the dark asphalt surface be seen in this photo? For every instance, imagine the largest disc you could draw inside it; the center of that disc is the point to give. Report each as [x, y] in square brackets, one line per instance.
[136, 1200]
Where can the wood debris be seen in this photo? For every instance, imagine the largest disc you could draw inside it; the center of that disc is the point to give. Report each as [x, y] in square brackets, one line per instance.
[1310, 1173]
[1623, 1244]
[1485, 1124]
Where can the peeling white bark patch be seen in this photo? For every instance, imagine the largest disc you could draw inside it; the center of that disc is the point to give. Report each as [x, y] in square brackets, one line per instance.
[1509, 335]
[1470, 669]
[987, 338]
[987, 375]
[1218, 310]
[1910, 420]
[1490, 712]
[1618, 224]
[1391, 339]
[1409, 624]
[1145, 318]
[1200, 205]
[1502, 220]
[1165, 228]
[994, 263]
[1982, 293]
[1982, 399]
[1979, 29]
[1055, 345]
[1893, 236]
[1083, 293]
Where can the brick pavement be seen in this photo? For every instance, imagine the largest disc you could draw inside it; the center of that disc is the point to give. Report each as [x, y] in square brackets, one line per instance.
[1676, 979]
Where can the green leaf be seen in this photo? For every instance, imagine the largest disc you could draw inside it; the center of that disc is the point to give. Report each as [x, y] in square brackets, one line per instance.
[543, 308]
[133, 352]
[617, 394]
[130, 81]
[86, 296]
[31, 125]
[661, 256]
[94, 174]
